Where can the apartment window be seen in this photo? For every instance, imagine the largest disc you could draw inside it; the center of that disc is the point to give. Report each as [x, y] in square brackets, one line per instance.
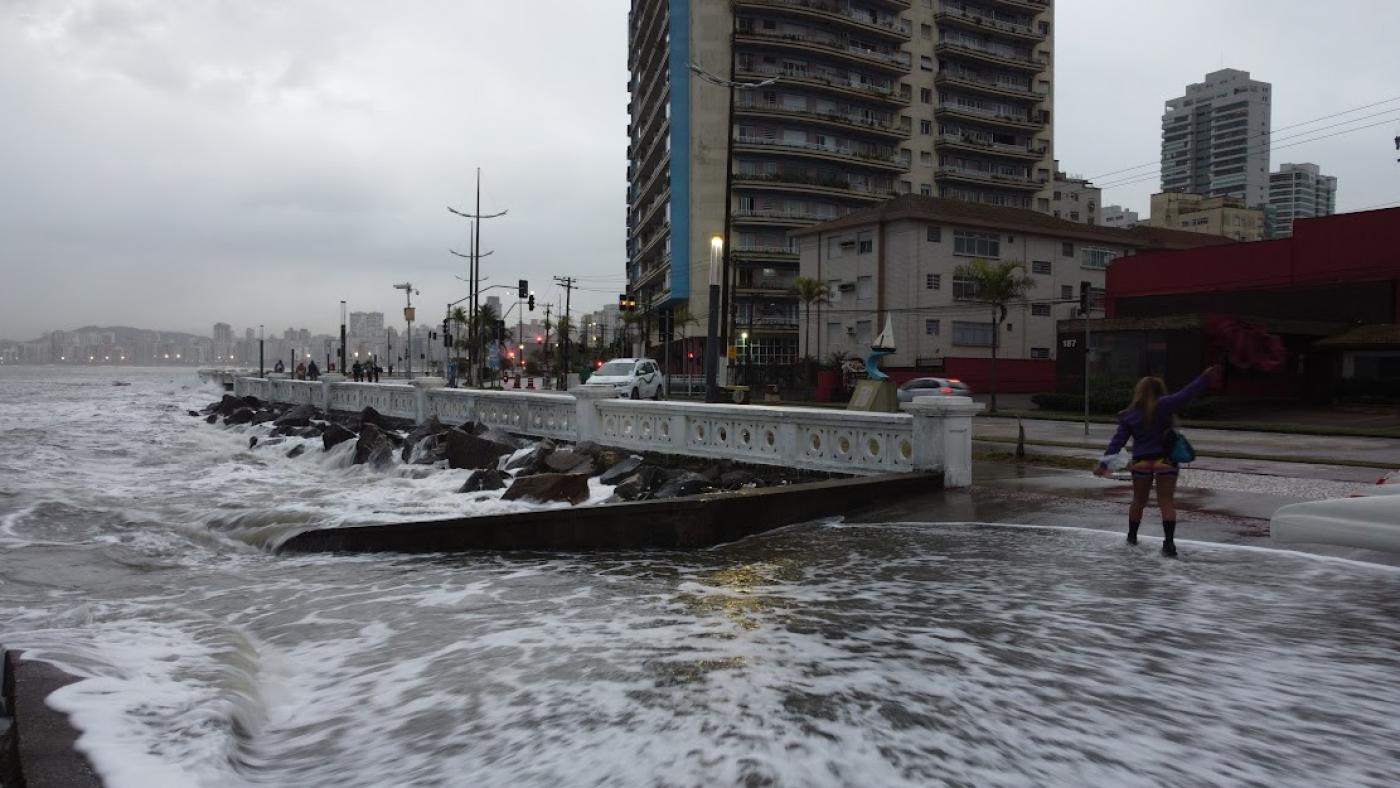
[925, 127]
[834, 334]
[865, 288]
[1097, 259]
[926, 189]
[925, 62]
[1066, 292]
[1040, 352]
[926, 158]
[935, 234]
[865, 242]
[1040, 310]
[932, 328]
[863, 335]
[1067, 249]
[926, 95]
[926, 32]
[1074, 215]
[964, 289]
[834, 286]
[933, 281]
[969, 334]
[970, 244]
[1042, 267]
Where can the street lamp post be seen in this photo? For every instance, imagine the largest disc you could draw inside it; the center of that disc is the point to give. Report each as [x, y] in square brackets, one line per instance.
[712, 349]
[342, 337]
[261, 370]
[408, 292]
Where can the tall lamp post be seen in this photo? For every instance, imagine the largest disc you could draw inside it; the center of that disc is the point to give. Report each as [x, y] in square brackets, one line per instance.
[408, 292]
[261, 370]
[342, 337]
[712, 349]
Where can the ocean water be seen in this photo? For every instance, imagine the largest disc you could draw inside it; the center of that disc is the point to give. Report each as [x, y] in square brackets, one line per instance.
[136, 551]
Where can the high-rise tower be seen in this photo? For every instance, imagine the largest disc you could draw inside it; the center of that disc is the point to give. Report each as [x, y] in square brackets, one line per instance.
[1215, 139]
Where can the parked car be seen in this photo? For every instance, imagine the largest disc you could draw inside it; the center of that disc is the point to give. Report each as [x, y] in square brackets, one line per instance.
[933, 387]
[635, 378]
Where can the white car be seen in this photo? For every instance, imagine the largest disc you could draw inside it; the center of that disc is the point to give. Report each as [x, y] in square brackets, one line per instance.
[635, 378]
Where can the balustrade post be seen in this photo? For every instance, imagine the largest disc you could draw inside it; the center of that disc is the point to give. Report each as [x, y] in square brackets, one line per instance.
[943, 437]
[327, 379]
[421, 387]
[587, 418]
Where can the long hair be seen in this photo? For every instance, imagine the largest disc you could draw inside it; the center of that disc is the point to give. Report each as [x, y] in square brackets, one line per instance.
[1145, 396]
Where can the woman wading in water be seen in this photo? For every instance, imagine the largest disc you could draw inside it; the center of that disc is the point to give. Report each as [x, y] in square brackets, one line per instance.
[1150, 421]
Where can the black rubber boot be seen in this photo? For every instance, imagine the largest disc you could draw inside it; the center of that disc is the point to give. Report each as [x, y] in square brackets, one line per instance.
[1132, 531]
[1169, 538]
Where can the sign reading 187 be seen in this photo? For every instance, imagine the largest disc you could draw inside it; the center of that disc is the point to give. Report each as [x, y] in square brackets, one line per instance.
[1070, 343]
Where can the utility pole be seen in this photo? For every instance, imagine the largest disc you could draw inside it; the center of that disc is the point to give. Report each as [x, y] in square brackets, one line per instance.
[474, 274]
[342, 337]
[544, 348]
[568, 283]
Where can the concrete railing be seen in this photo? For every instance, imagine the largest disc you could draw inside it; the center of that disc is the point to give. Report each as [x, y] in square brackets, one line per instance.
[934, 433]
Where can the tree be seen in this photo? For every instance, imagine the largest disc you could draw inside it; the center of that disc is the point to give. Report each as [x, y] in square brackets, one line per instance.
[811, 292]
[996, 284]
[630, 320]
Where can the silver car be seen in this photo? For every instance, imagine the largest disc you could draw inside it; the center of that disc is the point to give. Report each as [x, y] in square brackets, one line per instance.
[933, 387]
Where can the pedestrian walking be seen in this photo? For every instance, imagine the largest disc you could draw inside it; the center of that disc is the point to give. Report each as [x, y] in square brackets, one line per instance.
[313, 372]
[1150, 420]
[357, 372]
[301, 370]
[452, 373]
[377, 369]
[279, 367]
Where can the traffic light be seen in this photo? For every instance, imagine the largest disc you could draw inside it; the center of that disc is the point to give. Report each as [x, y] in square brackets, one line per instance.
[500, 330]
[532, 302]
[1084, 293]
[626, 303]
[539, 340]
[524, 288]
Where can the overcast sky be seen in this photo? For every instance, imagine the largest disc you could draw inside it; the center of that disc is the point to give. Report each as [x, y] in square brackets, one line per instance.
[172, 164]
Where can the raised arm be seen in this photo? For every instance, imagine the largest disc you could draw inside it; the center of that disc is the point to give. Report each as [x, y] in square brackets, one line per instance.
[1179, 399]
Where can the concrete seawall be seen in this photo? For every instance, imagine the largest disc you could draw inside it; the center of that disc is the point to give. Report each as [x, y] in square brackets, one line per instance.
[38, 746]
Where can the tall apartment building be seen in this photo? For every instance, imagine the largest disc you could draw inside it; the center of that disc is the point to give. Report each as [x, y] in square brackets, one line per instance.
[1118, 216]
[366, 324]
[1215, 139]
[1299, 191]
[1074, 198]
[871, 99]
[1228, 217]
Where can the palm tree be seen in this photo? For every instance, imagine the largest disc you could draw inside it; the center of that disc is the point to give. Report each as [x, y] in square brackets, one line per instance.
[630, 320]
[811, 292]
[996, 284]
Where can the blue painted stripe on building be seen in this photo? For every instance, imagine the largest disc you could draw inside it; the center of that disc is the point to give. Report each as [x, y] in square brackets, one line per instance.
[680, 150]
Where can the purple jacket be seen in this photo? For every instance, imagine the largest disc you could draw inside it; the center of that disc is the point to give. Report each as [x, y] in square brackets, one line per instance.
[1150, 440]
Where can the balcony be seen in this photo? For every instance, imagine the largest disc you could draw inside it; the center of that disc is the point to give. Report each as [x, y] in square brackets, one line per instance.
[988, 117]
[1020, 152]
[949, 51]
[846, 87]
[832, 12]
[953, 16]
[778, 284]
[651, 212]
[808, 184]
[663, 168]
[894, 63]
[983, 178]
[778, 217]
[650, 242]
[986, 87]
[836, 120]
[781, 254]
[813, 150]
[1027, 6]
[650, 273]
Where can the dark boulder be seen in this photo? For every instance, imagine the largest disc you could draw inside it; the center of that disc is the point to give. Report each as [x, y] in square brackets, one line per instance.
[621, 470]
[483, 480]
[194, 413]
[429, 451]
[565, 461]
[314, 431]
[300, 416]
[500, 436]
[683, 484]
[607, 458]
[371, 416]
[334, 436]
[263, 416]
[228, 405]
[252, 441]
[533, 461]
[240, 416]
[734, 480]
[549, 487]
[469, 451]
[211, 418]
[373, 448]
[296, 451]
[252, 402]
[641, 484]
[430, 428]
[589, 449]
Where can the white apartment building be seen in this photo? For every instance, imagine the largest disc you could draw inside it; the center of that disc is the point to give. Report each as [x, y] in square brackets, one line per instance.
[868, 99]
[1074, 198]
[1118, 216]
[898, 260]
[1215, 139]
[1299, 191]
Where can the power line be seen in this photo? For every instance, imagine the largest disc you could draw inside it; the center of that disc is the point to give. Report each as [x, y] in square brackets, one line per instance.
[1267, 133]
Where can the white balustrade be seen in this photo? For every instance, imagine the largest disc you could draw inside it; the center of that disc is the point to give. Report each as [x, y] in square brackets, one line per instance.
[935, 433]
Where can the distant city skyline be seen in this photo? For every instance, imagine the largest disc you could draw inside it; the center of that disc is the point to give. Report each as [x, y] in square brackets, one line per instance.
[176, 162]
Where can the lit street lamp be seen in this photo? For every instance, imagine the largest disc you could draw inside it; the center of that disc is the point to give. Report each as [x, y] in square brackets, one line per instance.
[712, 341]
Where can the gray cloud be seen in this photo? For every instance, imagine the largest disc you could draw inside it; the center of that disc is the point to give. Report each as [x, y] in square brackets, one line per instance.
[173, 164]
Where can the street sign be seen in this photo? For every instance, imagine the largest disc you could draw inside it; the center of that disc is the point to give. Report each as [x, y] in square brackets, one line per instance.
[409, 312]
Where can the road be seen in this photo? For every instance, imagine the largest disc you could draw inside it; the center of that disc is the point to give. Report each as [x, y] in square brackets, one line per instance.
[1266, 445]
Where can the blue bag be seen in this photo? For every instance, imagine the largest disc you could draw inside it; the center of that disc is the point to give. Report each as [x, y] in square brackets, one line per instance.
[1182, 453]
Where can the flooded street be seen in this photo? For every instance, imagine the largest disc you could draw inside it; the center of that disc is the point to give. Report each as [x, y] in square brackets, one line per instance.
[134, 552]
